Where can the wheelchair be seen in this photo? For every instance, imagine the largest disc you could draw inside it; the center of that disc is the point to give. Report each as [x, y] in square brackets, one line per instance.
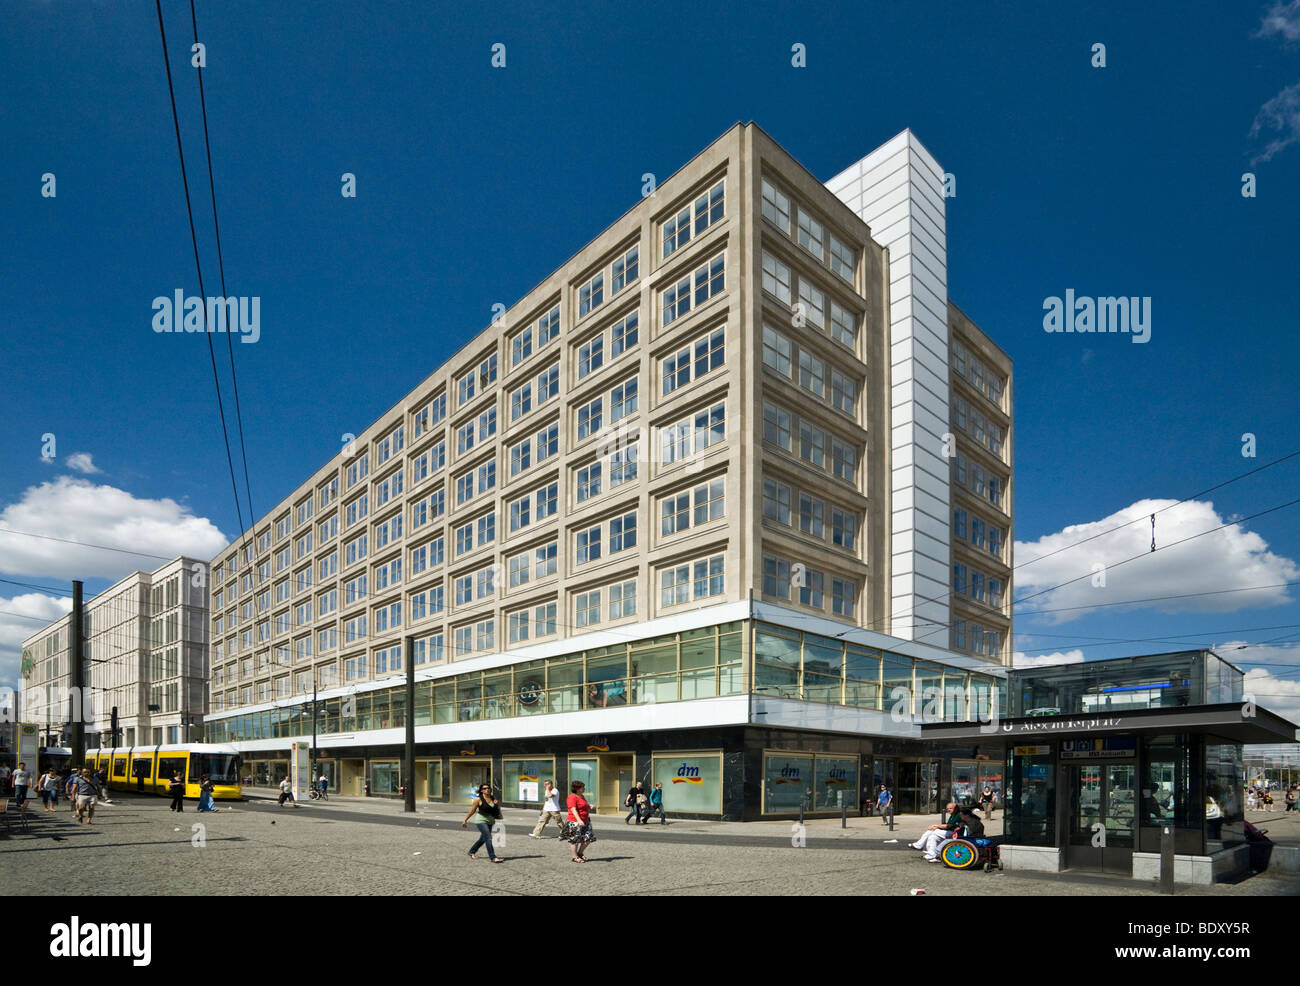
[965, 853]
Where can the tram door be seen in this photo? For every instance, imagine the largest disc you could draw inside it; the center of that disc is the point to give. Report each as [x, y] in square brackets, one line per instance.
[1100, 827]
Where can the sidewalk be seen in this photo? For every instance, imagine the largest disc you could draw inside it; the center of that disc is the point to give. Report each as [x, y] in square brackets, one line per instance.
[909, 827]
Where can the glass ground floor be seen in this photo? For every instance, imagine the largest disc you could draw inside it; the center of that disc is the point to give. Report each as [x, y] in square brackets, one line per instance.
[740, 773]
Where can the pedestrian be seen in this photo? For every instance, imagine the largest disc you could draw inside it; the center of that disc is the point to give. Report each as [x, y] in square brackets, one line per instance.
[324, 784]
[1291, 798]
[4, 779]
[286, 792]
[49, 787]
[883, 799]
[86, 791]
[577, 826]
[636, 797]
[176, 788]
[70, 789]
[486, 812]
[22, 781]
[206, 802]
[550, 809]
[101, 778]
[656, 805]
[986, 801]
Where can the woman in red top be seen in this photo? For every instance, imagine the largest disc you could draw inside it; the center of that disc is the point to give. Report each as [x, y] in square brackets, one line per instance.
[579, 833]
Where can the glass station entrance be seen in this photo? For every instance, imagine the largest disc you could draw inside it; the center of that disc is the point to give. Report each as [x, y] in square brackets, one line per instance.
[1100, 824]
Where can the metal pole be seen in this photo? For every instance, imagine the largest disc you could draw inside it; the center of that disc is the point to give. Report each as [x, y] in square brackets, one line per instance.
[409, 763]
[311, 755]
[1167, 860]
[78, 703]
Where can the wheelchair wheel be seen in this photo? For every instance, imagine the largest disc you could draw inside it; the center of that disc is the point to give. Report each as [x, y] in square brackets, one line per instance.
[959, 854]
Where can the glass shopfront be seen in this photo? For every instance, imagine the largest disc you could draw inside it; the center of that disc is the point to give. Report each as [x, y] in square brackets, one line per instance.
[433, 780]
[385, 778]
[692, 782]
[836, 783]
[971, 777]
[587, 770]
[524, 780]
[1031, 795]
[787, 783]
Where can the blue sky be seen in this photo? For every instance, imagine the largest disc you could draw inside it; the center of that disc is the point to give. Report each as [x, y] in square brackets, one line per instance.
[474, 183]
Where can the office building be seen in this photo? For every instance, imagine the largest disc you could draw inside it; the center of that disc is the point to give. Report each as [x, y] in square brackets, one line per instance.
[145, 653]
[671, 518]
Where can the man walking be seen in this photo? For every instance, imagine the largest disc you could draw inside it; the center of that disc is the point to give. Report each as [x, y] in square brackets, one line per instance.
[883, 800]
[550, 809]
[86, 791]
[634, 800]
[22, 781]
[286, 793]
[656, 805]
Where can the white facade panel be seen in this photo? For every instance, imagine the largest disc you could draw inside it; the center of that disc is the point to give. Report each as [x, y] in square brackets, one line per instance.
[897, 189]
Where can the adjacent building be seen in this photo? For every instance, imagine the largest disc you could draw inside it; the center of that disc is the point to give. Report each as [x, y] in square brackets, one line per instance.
[145, 652]
[685, 515]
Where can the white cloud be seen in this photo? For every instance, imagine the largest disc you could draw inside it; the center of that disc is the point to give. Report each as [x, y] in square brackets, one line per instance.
[1283, 19]
[83, 462]
[1023, 660]
[20, 617]
[81, 511]
[1230, 559]
[1281, 113]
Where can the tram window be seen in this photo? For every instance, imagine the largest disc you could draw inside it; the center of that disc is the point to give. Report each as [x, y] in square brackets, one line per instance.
[167, 766]
[119, 767]
[141, 767]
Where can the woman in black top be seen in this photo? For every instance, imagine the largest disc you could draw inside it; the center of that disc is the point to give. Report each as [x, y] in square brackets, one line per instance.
[486, 813]
[177, 790]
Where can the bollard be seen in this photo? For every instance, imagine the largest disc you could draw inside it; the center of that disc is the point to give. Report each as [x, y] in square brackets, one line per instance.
[800, 812]
[1167, 860]
[844, 815]
[890, 808]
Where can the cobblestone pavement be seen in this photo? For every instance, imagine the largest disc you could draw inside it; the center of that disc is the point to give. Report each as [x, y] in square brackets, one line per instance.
[138, 847]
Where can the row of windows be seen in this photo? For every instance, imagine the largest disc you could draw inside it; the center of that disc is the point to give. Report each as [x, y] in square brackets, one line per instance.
[780, 428]
[982, 534]
[977, 585]
[810, 514]
[968, 635]
[976, 424]
[977, 479]
[693, 218]
[984, 379]
[535, 336]
[827, 248]
[783, 579]
[803, 366]
[808, 302]
[623, 271]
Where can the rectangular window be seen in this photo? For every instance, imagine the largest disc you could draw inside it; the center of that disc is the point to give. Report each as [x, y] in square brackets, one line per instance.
[844, 461]
[623, 272]
[544, 620]
[844, 393]
[589, 418]
[776, 207]
[812, 444]
[693, 219]
[777, 426]
[622, 533]
[521, 401]
[622, 600]
[547, 501]
[776, 502]
[811, 515]
[705, 282]
[844, 529]
[588, 608]
[810, 593]
[548, 442]
[622, 400]
[622, 336]
[844, 325]
[591, 295]
[777, 351]
[812, 304]
[694, 360]
[521, 513]
[812, 373]
[844, 259]
[588, 545]
[777, 279]
[812, 235]
[591, 356]
[548, 384]
[622, 465]
[519, 568]
[545, 560]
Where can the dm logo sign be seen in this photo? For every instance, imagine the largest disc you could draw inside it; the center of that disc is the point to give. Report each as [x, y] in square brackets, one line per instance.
[836, 777]
[688, 773]
[789, 774]
[530, 693]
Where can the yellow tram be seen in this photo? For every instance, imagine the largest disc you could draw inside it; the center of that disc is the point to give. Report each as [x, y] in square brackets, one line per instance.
[149, 769]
